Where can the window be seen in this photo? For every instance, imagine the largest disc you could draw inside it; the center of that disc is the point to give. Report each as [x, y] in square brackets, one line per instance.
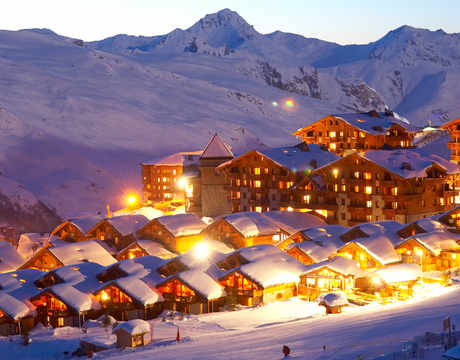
[361, 134]
[368, 218]
[258, 196]
[281, 185]
[356, 189]
[332, 146]
[238, 182]
[368, 189]
[356, 174]
[344, 188]
[367, 176]
[394, 191]
[377, 204]
[258, 209]
[257, 183]
[332, 134]
[306, 199]
[441, 201]
[266, 171]
[334, 173]
[377, 176]
[394, 205]
[320, 200]
[256, 171]
[434, 201]
[336, 186]
[369, 204]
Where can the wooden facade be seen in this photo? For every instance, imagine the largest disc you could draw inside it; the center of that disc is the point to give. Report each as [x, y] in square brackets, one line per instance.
[43, 260]
[222, 230]
[342, 137]
[70, 232]
[453, 127]
[366, 261]
[361, 190]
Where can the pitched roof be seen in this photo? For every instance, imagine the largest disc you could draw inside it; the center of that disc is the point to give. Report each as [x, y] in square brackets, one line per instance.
[133, 327]
[436, 241]
[84, 251]
[314, 250]
[341, 265]
[252, 223]
[182, 224]
[216, 148]
[293, 221]
[128, 224]
[397, 273]
[177, 159]
[10, 259]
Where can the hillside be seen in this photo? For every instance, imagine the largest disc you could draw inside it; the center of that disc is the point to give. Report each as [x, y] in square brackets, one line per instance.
[78, 118]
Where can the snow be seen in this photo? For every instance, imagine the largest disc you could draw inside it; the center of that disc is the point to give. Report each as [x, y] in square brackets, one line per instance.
[379, 247]
[30, 242]
[85, 223]
[315, 251]
[387, 228]
[80, 252]
[133, 327]
[77, 300]
[10, 258]
[151, 248]
[148, 211]
[335, 298]
[339, 264]
[128, 224]
[12, 307]
[138, 290]
[293, 221]
[182, 224]
[398, 273]
[252, 223]
[436, 241]
[177, 159]
[216, 148]
[453, 354]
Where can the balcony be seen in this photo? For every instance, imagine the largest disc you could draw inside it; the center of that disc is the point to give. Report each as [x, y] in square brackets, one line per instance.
[360, 210]
[388, 183]
[389, 212]
[453, 145]
[410, 197]
[433, 181]
[389, 197]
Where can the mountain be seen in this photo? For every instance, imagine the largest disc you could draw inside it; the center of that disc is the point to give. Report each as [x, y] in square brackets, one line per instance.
[77, 118]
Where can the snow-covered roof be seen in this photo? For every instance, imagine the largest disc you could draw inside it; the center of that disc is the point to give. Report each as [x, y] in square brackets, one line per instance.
[341, 265]
[452, 353]
[436, 241]
[177, 159]
[293, 221]
[419, 161]
[139, 290]
[74, 298]
[151, 248]
[326, 234]
[333, 299]
[182, 224]
[269, 266]
[314, 250]
[13, 307]
[252, 223]
[386, 228]
[398, 273]
[428, 224]
[30, 242]
[379, 247]
[128, 224]
[217, 148]
[148, 211]
[84, 251]
[10, 259]
[133, 327]
[201, 282]
[84, 224]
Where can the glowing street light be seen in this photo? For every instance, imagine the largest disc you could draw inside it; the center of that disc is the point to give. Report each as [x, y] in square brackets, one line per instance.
[420, 252]
[131, 199]
[201, 251]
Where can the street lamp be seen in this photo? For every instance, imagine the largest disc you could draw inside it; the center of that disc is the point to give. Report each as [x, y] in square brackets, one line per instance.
[420, 252]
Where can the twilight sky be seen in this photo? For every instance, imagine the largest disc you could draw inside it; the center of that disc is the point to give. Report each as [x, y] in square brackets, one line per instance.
[340, 21]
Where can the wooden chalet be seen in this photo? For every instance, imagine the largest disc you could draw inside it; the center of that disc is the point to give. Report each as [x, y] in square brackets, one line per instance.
[319, 234]
[129, 298]
[451, 218]
[400, 185]
[267, 180]
[179, 232]
[453, 128]
[51, 257]
[141, 248]
[118, 231]
[310, 252]
[161, 177]
[334, 302]
[74, 230]
[337, 273]
[243, 229]
[14, 315]
[422, 226]
[434, 251]
[56, 306]
[346, 133]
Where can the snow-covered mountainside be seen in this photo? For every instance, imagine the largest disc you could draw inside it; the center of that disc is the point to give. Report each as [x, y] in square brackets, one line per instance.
[77, 119]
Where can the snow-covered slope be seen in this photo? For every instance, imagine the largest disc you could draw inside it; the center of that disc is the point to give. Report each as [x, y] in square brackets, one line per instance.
[77, 119]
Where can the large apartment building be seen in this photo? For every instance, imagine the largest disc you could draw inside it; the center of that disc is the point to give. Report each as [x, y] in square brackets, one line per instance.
[346, 133]
[453, 129]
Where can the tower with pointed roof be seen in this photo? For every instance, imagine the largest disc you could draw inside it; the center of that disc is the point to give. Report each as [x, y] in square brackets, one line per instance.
[213, 183]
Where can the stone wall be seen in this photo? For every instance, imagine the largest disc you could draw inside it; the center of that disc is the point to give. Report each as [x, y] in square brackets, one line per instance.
[214, 200]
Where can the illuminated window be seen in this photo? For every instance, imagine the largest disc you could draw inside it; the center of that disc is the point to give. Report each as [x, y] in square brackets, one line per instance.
[257, 183]
[334, 173]
[394, 205]
[335, 187]
[369, 204]
[344, 188]
[281, 184]
[238, 182]
[356, 174]
[441, 201]
[306, 199]
[367, 176]
[332, 146]
[256, 171]
[266, 171]
[368, 189]
[332, 134]
[164, 179]
[394, 191]
[361, 134]
[356, 189]
[259, 209]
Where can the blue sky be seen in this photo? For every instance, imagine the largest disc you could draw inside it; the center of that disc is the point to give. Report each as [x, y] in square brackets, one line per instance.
[344, 22]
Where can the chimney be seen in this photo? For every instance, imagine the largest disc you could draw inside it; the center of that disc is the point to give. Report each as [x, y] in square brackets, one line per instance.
[313, 163]
[406, 166]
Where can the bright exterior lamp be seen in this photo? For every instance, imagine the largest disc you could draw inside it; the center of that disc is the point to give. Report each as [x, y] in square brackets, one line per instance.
[201, 251]
[376, 280]
[132, 199]
[182, 182]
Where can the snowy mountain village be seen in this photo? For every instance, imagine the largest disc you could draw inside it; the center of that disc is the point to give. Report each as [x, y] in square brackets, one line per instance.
[354, 214]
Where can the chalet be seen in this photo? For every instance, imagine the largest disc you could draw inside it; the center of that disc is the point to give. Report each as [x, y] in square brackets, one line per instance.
[387, 229]
[29, 243]
[132, 333]
[267, 180]
[179, 232]
[337, 273]
[309, 252]
[162, 177]
[346, 133]
[260, 274]
[10, 259]
[244, 229]
[401, 185]
[397, 281]
[371, 253]
[294, 221]
[145, 248]
[453, 128]
[75, 230]
[422, 226]
[49, 258]
[435, 251]
[118, 231]
[320, 234]
[451, 218]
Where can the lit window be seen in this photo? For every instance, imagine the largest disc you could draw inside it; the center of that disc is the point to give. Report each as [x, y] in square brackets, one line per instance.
[256, 171]
[332, 146]
[335, 187]
[257, 183]
[367, 176]
[441, 201]
[356, 189]
[306, 199]
[259, 209]
[368, 190]
[281, 185]
[356, 174]
[369, 204]
[344, 188]
[332, 134]
[394, 191]
[361, 134]
[335, 172]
